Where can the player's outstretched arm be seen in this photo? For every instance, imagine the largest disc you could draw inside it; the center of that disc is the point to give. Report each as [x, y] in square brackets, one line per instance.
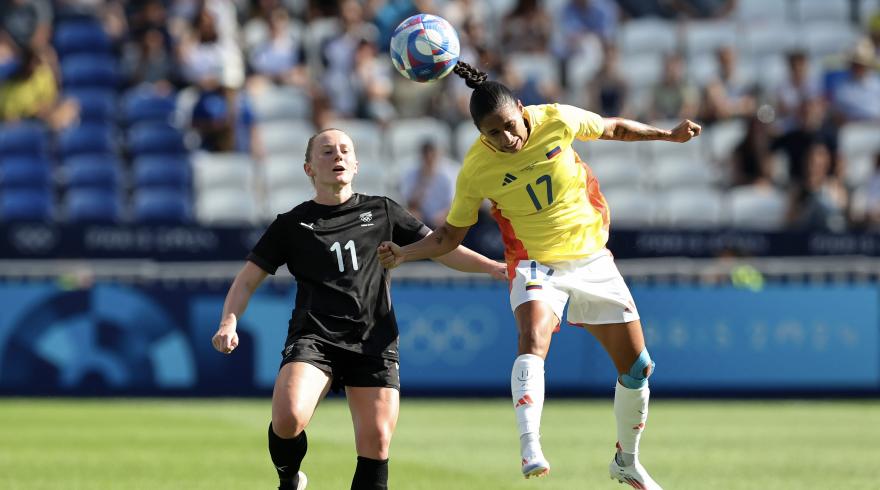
[440, 242]
[466, 260]
[246, 282]
[620, 129]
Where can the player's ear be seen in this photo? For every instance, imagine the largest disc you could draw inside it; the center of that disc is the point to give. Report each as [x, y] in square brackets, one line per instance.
[307, 167]
[519, 105]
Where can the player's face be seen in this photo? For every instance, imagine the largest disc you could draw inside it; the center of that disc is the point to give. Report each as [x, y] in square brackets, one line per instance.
[333, 161]
[505, 128]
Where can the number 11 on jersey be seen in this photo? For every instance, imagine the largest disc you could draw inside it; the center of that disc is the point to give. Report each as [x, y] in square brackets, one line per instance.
[338, 249]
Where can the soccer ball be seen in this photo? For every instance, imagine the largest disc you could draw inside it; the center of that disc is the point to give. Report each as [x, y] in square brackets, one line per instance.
[424, 48]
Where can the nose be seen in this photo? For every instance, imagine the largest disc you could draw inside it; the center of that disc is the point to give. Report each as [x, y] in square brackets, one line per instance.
[509, 138]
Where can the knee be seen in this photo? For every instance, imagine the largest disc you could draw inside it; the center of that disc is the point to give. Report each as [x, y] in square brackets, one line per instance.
[374, 442]
[288, 425]
[534, 338]
[641, 369]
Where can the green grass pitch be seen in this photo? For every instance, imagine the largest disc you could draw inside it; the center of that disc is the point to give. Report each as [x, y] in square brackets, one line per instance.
[439, 444]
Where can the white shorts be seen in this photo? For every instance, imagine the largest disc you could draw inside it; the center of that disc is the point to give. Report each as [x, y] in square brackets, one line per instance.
[593, 288]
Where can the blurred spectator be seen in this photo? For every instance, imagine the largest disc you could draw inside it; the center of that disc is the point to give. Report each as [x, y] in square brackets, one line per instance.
[427, 189]
[339, 55]
[31, 92]
[224, 120]
[674, 97]
[857, 97]
[819, 202]
[111, 13]
[459, 12]
[372, 84]
[527, 28]
[607, 92]
[727, 96]
[581, 18]
[799, 88]
[874, 32]
[810, 124]
[26, 24]
[868, 216]
[207, 60]
[701, 9]
[751, 162]
[149, 60]
[280, 57]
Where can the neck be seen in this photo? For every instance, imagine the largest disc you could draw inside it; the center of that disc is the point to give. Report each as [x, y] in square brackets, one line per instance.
[333, 195]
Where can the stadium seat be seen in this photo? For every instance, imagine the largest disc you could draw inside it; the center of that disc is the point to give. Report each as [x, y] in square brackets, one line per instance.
[226, 207]
[768, 38]
[287, 136]
[232, 171]
[860, 139]
[702, 37]
[150, 138]
[23, 138]
[280, 103]
[822, 10]
[92, 171]
[619, 171]
[584, 65]
[596, 150]
[693, 207]
[665, 151]
[631, 209]
[405, 136]
[756, 12]
[87, 70]
[96, 106]
[465, 136]
[826, 38]
[81, 36]
[19, 172]
[26, 205]
[162, 171]
[283, 199]
[669, 173]
[859, 169]
[757, 208]
[162, 206]
[140, 106]
[642, 70]
[647, 35]
[286, 170]
[88, 205]
[540, 68]
[722, 137]
[86, 138]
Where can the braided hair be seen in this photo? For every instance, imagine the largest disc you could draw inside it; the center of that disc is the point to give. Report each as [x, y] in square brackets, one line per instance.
[488, 96]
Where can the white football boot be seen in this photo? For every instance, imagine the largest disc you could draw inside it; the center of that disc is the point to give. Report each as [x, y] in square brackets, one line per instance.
[634, 475]
[303, 481]
[535, 464]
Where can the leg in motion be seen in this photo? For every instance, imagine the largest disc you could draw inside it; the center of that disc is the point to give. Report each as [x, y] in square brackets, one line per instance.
[374, 414]
[298, 389]
[625, 343]
[535, 322]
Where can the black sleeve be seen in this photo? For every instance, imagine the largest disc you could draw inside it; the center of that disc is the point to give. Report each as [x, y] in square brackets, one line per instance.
[269, 252]
[405, 228]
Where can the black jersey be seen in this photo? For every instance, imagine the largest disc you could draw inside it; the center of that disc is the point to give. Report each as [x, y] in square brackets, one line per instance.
[343, 294]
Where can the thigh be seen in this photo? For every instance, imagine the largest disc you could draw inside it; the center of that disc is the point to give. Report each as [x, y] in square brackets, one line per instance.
[374, 412]
[623, 342]
[298, 389]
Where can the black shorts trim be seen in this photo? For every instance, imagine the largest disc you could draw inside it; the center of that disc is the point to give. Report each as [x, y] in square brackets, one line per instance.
[345, 368]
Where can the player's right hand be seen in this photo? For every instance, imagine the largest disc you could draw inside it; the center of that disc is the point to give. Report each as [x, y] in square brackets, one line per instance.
[226, 339]
[390, 255]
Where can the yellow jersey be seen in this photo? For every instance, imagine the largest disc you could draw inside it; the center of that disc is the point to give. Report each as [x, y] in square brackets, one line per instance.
[544, 197]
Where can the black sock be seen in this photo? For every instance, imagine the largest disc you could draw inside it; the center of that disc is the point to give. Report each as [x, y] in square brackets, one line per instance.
[287, 455]
[370, 474]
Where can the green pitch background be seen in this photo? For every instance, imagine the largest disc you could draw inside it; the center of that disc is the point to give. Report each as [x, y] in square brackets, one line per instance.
[439, 444]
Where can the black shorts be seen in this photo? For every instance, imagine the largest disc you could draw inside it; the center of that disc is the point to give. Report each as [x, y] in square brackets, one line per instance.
[346, 368]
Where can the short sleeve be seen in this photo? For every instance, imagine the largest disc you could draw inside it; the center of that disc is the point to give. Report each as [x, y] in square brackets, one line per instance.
[585, 125]
[405, 228]
[269, 252]
[465, 204]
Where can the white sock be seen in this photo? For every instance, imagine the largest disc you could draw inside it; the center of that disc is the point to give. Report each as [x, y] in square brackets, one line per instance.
[527, 390]
[631, 412]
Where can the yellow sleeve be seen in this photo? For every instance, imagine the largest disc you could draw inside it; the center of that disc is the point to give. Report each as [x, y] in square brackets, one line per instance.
[585, 125]
[465, 204]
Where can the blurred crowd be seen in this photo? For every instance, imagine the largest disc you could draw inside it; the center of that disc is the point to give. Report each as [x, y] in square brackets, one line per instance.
[219, 56]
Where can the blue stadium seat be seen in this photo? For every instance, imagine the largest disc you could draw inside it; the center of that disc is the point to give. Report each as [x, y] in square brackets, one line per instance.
[146, 106]
[81, 36]
[24, 138]
[91, 206]
[26, 205]
[162, 206]
[97, 105]
[92, 171]
[85, 70]
[162, 171]
[25, 172]
[152, 138]
[86, 138]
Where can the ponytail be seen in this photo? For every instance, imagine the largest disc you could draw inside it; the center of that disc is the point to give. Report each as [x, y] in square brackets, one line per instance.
[488, 96]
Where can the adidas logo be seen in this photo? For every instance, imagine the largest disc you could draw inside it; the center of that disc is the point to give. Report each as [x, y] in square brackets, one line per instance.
[508, 178]
[526, 400]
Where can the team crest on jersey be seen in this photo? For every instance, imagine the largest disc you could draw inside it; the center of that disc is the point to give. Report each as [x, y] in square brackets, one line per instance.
[366, 217]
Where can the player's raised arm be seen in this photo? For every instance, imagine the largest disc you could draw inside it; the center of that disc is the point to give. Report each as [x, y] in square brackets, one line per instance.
[246, 282]
[440, 242]
[620, 129]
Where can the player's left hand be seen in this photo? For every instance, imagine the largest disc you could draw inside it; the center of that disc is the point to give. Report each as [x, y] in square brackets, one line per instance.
[498, 271]
[685, 131]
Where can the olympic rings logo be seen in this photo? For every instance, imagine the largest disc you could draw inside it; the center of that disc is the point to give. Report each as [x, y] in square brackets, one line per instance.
[446, 335]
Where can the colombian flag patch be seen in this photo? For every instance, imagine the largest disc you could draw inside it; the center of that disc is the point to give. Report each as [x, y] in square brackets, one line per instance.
[552, 153]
